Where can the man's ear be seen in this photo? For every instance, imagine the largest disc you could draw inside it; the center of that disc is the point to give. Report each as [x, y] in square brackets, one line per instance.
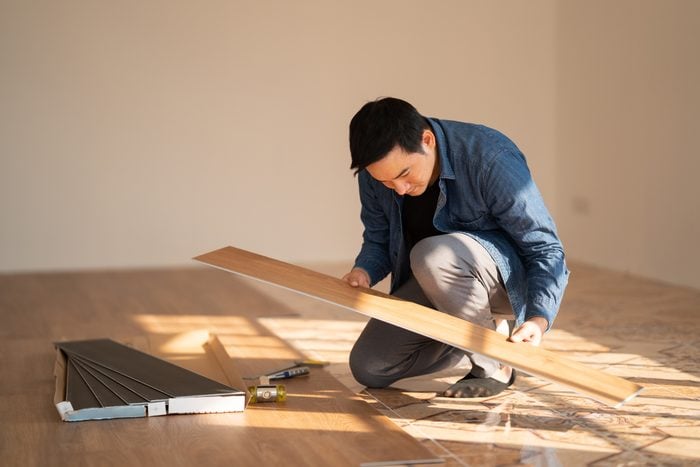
[428, 138]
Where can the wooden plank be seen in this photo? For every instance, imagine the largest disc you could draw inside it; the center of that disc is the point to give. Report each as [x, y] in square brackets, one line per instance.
[216, 349]
[536, 361]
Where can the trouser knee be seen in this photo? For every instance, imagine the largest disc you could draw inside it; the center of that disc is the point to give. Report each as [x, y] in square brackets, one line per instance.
[361, 367]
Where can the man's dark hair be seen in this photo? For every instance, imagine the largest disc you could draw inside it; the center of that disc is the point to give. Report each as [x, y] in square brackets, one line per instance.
[381, 125]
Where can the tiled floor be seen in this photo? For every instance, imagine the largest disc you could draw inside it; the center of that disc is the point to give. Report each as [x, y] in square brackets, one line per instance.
[638, 329]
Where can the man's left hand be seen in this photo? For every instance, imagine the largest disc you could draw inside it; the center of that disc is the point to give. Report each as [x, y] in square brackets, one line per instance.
[530, 331]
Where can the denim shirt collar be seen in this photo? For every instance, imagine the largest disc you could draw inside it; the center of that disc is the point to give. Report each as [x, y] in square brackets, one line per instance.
[442, 148]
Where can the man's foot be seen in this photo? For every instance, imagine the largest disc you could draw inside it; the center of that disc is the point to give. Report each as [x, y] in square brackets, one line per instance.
[473, 386]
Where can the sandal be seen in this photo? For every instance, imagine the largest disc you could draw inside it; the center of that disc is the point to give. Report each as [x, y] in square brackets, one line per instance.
[473, 386]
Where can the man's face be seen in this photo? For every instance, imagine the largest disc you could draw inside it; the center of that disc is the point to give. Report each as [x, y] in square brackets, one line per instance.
[407, 173]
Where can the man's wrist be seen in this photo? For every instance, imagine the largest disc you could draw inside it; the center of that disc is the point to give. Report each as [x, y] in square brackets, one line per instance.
[541, 322]
[364, 271]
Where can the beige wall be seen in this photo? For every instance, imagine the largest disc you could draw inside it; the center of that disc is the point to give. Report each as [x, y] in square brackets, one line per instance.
[628, 120]
[140, 133]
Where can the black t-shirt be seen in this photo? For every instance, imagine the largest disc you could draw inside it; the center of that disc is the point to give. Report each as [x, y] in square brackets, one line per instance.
[417, 215]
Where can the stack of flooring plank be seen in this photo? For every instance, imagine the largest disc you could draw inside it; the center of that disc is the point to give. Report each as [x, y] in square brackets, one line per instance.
[101, 379]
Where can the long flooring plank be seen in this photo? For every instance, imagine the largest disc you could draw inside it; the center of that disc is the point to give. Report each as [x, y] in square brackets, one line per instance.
[536, 361]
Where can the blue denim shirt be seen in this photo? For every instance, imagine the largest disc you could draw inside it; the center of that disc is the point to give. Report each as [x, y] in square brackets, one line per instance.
[487, 192]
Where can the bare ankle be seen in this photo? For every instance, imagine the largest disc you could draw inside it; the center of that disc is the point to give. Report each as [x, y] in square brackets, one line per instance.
[503, 374]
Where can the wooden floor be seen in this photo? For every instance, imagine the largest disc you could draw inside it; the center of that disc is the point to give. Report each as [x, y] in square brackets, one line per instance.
[642, 330]
[170, 314]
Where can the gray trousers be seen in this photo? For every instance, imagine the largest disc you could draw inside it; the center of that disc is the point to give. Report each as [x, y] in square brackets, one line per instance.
[454, 274]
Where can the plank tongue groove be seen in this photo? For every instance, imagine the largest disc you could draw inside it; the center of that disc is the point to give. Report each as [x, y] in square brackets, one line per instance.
[536, 361]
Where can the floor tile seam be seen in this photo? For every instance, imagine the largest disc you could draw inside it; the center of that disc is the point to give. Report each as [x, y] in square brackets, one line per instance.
[644, 449]
[611, 456]
[574, 445]
[641, 424]
[590, 430]
[452, 457]
[448, 454]
[532, 454]
[480, 427]
[408, 404]
[529, 454]
[664, 437]
[544, 383]
[635, 357]
[602, 367]
[416, 427]
[655, 362]
[677, 345]
[682, 396]
[679, 437]
[596, 428]
[615, 442]
[620, 443]
[383, 404]
[428, 417]
[393, 415]
[600, 406]
[610, 366]
[600, 428]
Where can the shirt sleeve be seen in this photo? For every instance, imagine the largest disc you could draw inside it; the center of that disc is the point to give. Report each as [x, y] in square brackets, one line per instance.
[374, 254]
[517, 207]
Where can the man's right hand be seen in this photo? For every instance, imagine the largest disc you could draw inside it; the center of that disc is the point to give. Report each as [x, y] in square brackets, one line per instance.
[358, 277]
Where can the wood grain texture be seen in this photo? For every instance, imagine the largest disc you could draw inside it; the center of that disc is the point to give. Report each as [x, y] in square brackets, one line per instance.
[217, 352]
[327, 420]
[170, 313]
[536, 361]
